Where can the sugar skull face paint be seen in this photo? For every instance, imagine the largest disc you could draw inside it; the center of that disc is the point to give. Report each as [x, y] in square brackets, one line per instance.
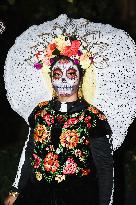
[65, 77]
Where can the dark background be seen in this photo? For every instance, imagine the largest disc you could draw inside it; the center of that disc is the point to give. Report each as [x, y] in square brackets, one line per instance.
[17, 16]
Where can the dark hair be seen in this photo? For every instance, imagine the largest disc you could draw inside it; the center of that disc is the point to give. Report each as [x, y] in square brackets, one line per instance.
[59, 57]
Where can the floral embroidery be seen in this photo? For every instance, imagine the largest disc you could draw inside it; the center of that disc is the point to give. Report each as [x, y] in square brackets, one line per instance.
[72, 154]
[102, 117]
[51, 162]
[49, 119]
[97, 112]
[37, 161]
[59, 178]
[70, 167]
[86, 171]
[38, 176]
[69, 139]
[40, 133]
[41, 104]
[69, 122]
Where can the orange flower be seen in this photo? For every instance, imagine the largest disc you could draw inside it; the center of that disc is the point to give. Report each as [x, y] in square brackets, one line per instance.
[102, 117]
[52, 46]
[85, 171]
[69, 139]
[40, 133]
[50, 49]
[41, 104]
[93, 109]
[51, 162]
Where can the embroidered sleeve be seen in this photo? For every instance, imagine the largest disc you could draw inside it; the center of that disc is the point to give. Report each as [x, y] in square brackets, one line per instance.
[103, 158]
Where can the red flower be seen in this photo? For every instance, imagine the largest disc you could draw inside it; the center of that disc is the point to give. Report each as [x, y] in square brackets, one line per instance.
[75, 44]
[52, 46]
[85, 171]
[73, 49]
[89, 125]
[60, 119]
[49, 119]
[87, 119]
[70, 121]
[36, 161]
[86, 141]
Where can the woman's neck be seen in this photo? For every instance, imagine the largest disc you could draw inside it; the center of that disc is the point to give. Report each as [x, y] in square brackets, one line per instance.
[68, 98]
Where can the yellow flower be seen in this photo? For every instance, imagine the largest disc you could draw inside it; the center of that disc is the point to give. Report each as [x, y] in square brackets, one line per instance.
[59, 178]
[85, 61]
[38, 176]
[61, 42]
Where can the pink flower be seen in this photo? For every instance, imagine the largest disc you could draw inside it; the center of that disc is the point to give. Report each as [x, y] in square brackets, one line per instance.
[76, 61]
[70, 167]
[36, 161]
[38, 66]
[79, 53]
[49, 119]
[70, 122]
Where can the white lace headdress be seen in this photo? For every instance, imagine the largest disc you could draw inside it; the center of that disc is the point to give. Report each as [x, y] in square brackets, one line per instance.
[115, 70]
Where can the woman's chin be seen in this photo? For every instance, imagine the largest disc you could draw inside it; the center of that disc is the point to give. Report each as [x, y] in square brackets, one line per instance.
[65, 94]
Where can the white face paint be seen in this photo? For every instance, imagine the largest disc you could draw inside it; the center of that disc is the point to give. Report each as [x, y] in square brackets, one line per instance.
[65, 77]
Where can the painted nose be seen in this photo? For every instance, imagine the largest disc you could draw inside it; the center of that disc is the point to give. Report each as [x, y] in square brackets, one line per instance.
[63, 80]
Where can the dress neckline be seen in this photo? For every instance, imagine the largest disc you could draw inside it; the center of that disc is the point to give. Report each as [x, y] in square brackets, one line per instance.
[73, 107]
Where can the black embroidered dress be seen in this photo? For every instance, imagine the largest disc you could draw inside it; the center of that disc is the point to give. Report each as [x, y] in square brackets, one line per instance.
[68, 158]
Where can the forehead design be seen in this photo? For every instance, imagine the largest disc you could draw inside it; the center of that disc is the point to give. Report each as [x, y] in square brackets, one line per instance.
[64, 64]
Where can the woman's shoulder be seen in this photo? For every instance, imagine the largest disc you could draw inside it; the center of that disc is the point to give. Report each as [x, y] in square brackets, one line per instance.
[102, 125]
[97, 112]
[38, 109]
[42, 104]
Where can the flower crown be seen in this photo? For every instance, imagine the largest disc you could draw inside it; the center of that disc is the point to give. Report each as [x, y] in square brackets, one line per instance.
[64, 45]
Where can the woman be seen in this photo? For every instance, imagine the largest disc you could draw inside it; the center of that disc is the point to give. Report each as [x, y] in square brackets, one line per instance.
[68, 157]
